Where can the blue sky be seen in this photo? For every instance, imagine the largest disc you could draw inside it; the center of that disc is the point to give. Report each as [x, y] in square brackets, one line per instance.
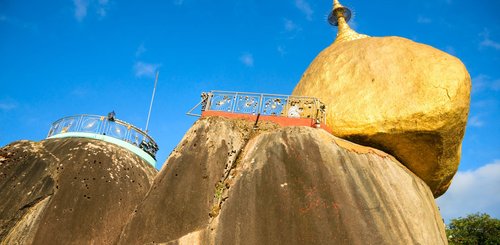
[66, 57]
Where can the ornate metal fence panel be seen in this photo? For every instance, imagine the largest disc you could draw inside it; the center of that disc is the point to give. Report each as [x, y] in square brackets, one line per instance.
[247, 103]
[101, 125]
[274, 105]
[90, 125]
[222, 102]
[117, 130]
[264, 104]
[68, 125]
[136, 138]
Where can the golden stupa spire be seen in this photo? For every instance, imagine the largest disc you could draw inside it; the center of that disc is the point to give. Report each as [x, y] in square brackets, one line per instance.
[339, 16]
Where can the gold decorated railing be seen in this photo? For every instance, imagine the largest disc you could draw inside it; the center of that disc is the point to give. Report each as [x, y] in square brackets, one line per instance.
[263, 104]
[101, 125]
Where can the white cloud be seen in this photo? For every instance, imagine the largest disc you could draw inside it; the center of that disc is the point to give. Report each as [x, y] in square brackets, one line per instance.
[142, 69]
[178, 2]
[423, 20]
[482, 104]
[80, 9]
[473, 191]
[487, 42]
[305, 8]
[291, 29]
[79, 92]
[7, 106]
[19, 23]
[483, 82]
[495, 85]
[281, 50]
[290, 25]
[479, 83]
[140, 50]
[475, 121]
[490, 43]
[101, 12]
[450, 50]
[247, 59]
[102, 6]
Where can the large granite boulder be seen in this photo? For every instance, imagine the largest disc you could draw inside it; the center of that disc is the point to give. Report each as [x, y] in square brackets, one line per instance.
[227, 183]
[68, 191]
[405, 98]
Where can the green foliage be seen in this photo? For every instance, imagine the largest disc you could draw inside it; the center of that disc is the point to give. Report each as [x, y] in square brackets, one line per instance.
[474, 229]
[219, 190]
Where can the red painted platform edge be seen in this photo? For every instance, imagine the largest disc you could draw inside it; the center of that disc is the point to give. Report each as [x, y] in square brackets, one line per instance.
[282, 121]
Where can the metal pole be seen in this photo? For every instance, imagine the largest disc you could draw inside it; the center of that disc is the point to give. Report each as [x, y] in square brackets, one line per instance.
[152, 98]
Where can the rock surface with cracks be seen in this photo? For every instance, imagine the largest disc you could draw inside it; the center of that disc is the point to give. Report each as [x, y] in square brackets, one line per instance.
[405, 98]
[68, 191]
[227, 183]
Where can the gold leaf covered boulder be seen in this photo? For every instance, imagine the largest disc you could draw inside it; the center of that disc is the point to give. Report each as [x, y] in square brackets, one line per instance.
[406, 98]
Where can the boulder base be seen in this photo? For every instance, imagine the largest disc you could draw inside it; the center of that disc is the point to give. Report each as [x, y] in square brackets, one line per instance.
[295, 185]
[68, 191]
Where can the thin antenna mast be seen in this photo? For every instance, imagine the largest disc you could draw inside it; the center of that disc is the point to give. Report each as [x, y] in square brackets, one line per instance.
[152, 98]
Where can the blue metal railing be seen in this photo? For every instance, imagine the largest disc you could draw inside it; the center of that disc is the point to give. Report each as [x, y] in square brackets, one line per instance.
[101, 125]
[263, 104]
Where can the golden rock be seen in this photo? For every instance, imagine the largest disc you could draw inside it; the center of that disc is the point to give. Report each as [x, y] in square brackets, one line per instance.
[402, 97]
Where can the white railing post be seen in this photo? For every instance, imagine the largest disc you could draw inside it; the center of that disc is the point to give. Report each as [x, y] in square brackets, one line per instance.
[209, 101]
[260, 103]
[79, 123]
[235, 98]
[285, 110]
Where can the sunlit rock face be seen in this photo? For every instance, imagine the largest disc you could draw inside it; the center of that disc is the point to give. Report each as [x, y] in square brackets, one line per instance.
[405, 98]
[182, 195]
[227, 183]
[68, 191]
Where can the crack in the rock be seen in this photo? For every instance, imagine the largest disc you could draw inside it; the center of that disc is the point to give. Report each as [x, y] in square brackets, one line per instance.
[221, 188]
[6, 227]
[445, 89]
[35, 202]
